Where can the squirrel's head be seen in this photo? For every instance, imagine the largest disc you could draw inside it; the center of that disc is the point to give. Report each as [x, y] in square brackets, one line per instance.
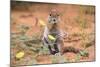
[53, 16]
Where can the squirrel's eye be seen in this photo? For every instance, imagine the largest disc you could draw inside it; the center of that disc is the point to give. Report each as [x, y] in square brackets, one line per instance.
[50, 14]
[58, 15]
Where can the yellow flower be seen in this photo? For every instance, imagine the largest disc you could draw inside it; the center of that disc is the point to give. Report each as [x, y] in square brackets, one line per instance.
[42, 23]
[20, 54]
[51, 37]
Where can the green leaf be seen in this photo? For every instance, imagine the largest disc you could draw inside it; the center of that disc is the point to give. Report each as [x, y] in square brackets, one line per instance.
[77, 59]
[84, 53]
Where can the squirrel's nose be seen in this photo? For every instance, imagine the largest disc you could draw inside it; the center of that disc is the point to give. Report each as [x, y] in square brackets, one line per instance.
[54, 20]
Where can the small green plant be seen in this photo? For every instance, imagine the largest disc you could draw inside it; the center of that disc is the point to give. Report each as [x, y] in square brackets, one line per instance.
[58, 59]
[54, 59]
[87, 40]
[23, 28]
[81, 22]
[43, 50]
[77, 59]
[84, 53]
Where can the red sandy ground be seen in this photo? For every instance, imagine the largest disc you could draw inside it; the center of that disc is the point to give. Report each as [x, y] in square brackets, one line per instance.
[67, 24]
